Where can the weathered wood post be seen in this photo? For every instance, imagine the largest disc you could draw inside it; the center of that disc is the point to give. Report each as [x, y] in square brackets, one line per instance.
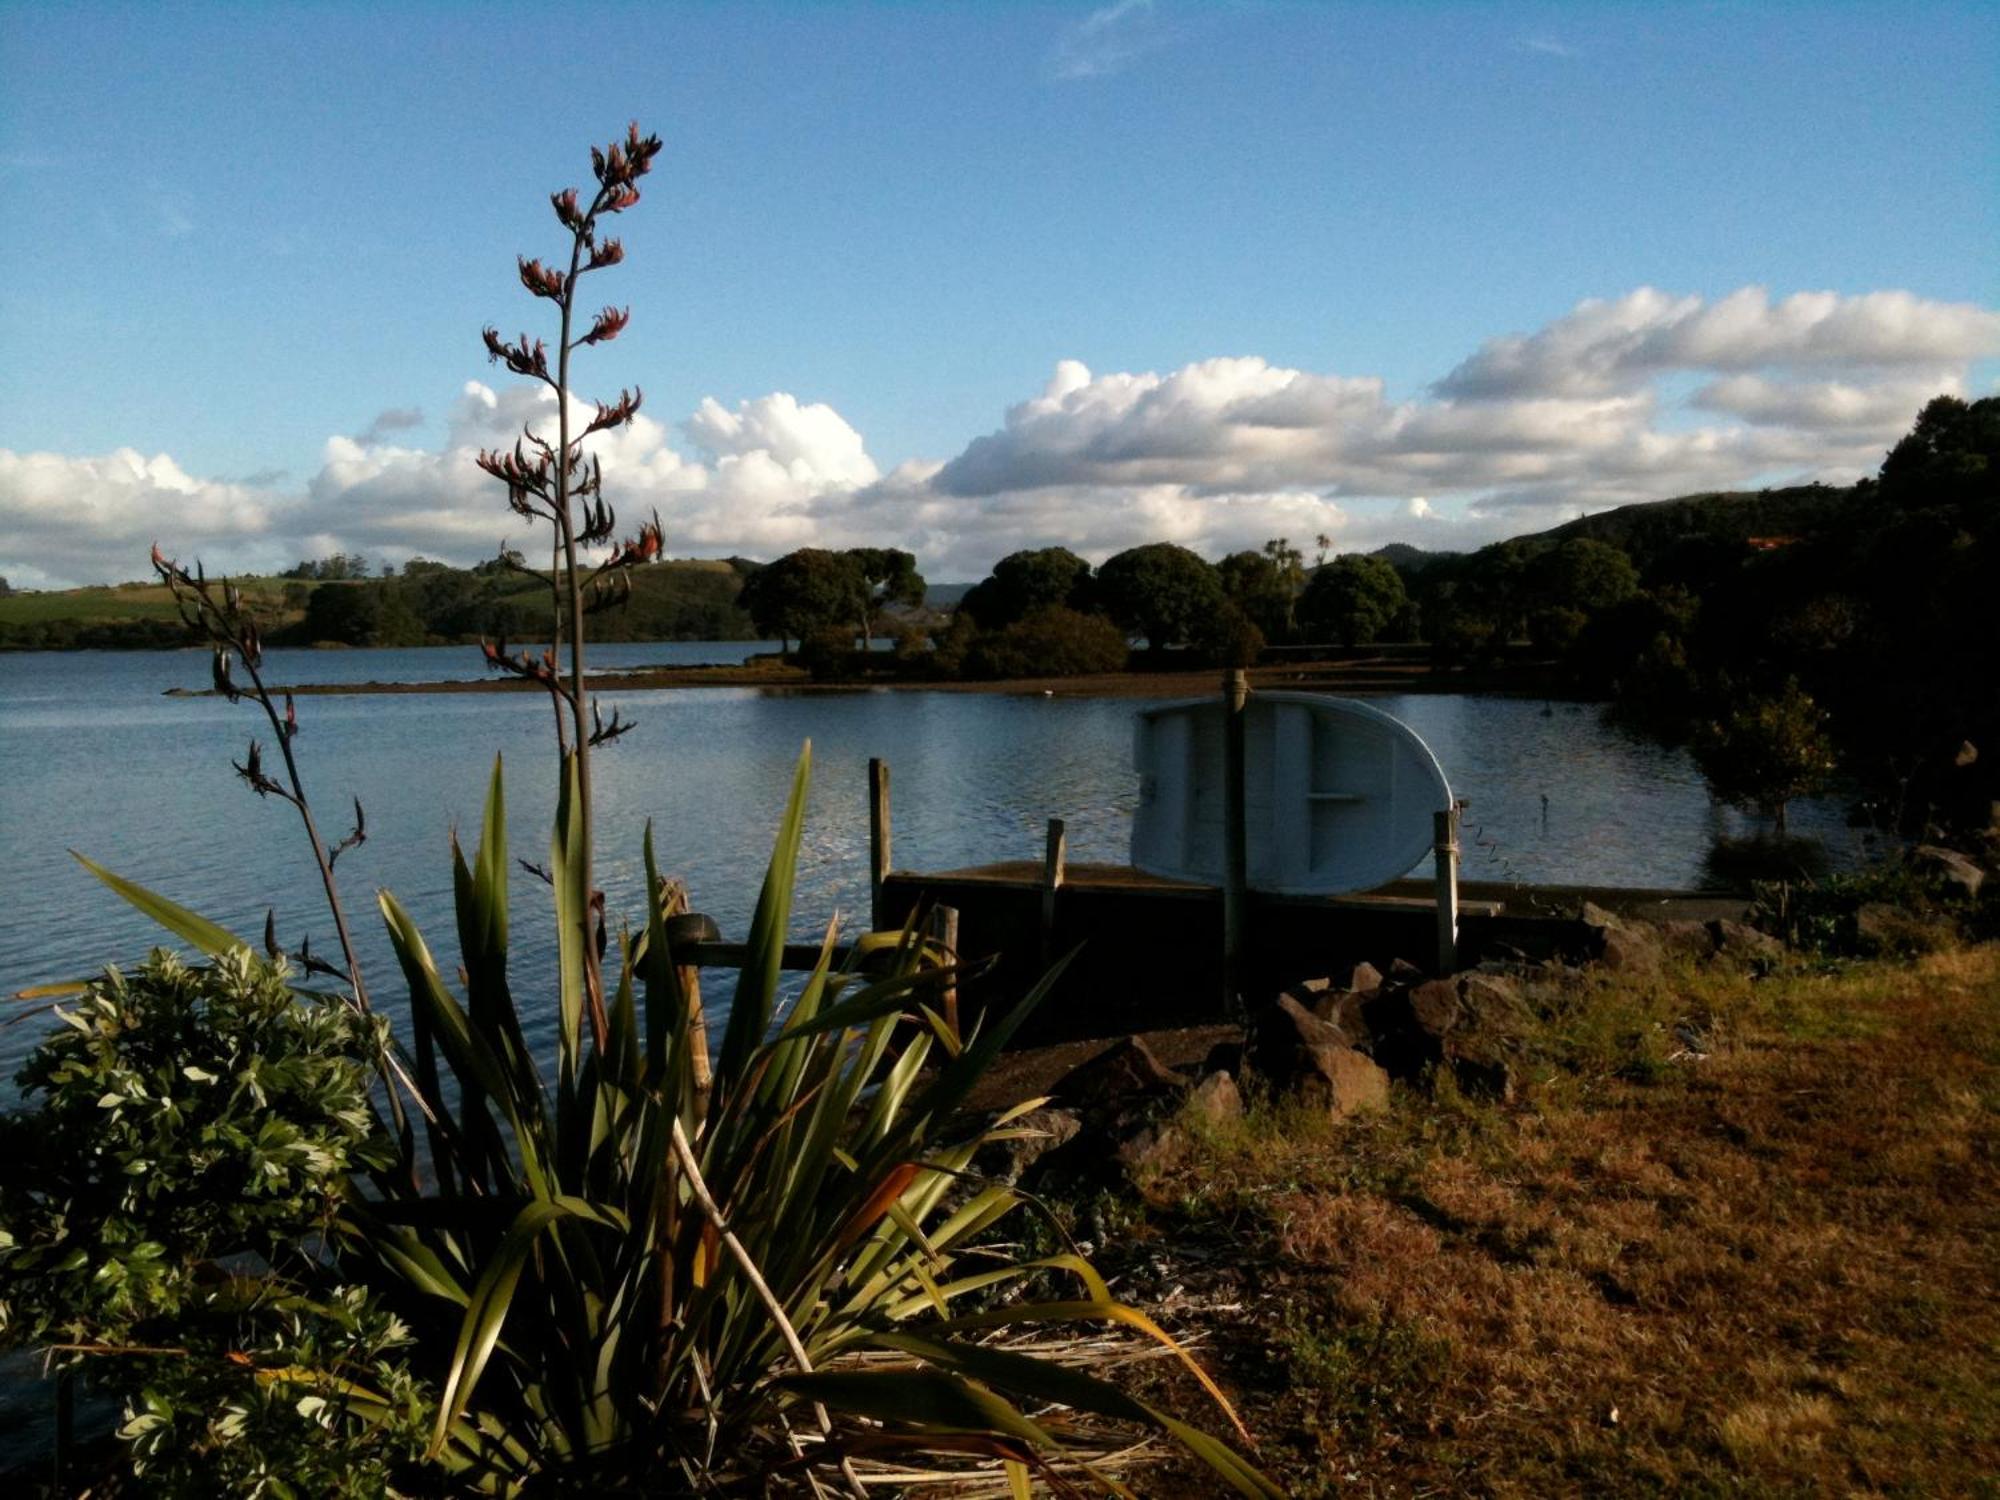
[1235, 853]
[673, 898]
[1444, 845]
[944, 930]
[1055, 862]
[878, 841]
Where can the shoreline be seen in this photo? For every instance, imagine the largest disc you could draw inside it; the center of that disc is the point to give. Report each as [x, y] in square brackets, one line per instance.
[1348, 679]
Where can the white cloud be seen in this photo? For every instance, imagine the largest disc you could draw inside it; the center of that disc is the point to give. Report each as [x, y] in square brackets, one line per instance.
[1595, 409]
[1108, 40]
[1608, 346]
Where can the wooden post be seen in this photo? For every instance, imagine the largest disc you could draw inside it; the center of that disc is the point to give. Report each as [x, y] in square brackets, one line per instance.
[944, 930]
[674, 902]
[1235, 853]
[878, 841]
[1055, 861]
[1444, 830]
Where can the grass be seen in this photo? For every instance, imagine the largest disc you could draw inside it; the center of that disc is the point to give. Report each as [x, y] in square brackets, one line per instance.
[1762, 1268]
[123, 601]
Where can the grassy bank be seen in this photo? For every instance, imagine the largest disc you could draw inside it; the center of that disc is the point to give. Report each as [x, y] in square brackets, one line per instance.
[1735, 1236]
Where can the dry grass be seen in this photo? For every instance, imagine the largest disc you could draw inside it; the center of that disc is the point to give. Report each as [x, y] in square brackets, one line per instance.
[1768, 1268]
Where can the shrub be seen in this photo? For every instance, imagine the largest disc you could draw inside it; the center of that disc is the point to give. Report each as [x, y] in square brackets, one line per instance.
[1053, 642]
[181, 1116]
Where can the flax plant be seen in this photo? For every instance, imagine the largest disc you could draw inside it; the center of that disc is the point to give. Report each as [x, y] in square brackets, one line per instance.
[631, 1279]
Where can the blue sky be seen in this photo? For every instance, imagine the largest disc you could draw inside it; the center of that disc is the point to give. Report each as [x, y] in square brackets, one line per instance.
[235, 233]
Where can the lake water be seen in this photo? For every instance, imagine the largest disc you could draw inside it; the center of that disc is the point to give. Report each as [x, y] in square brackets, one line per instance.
[94, 758]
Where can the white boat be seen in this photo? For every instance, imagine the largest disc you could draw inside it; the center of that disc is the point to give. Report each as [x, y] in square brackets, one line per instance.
[1339, 795]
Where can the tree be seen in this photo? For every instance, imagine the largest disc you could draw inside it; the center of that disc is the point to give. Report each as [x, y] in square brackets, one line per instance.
[1581, 574]
[1255, 583]
[803, 592]
[1352, 598]
[1768, 751]
[1163, 592]
[888, 576]
[1023, 582]
[1052, 642]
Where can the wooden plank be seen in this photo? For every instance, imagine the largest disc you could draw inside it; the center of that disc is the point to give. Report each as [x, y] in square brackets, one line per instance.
[1055, 867]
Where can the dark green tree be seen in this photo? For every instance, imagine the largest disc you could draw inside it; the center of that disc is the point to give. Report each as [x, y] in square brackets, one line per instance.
[1023, 582]
[1352, 599]
[1255, 583]
[888, 576]
[1160, 591]
[1581, 574]
[803, 593]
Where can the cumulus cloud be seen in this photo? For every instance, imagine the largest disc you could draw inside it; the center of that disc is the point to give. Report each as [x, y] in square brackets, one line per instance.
[1608, 346]
[1635, 398]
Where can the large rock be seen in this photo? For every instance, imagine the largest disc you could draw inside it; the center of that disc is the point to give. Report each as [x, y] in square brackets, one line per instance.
[1115, 1080]
[1341, 1081]
[1434, 1007]
[1958, 874]
[1217, 1099]
[1300, 1054]
[1027, 1141]
[1743, 943]
[1623, 946]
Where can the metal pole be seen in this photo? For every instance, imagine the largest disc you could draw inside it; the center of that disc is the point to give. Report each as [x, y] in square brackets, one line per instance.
[1235, 855]
[1444, 831]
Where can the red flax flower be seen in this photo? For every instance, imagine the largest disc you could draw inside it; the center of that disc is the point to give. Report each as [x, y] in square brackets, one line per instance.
[523, 358]
[609, 324]
[540, 280]
[621, 411]
[607, 254]
[566, 209]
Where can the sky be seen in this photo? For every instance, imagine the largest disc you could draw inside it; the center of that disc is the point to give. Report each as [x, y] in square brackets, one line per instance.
[970, 278]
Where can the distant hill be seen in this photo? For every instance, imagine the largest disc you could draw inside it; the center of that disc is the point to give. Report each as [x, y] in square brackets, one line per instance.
[945, 595]
[1410, 560]
[1648, 530]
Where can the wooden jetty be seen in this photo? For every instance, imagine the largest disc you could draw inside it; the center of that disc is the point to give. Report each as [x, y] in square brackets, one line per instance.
[1145, 952]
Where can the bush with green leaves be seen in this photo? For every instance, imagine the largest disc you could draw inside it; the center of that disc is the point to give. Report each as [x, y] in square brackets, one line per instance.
[1051, 642]
[180, 1116]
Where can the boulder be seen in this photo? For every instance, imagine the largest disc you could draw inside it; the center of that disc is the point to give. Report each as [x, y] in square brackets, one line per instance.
[1364, 979]
[1684, 939]
[1743, 943]
[1216, 1098]
[1434, 1007]
[1341, 1081]
[1303, 1055]
[1489, 997]
[1027, 1141]
[1481, 1068]
[1623, 947]
[1402, 971]
[1953, 870]
[1114, 1080]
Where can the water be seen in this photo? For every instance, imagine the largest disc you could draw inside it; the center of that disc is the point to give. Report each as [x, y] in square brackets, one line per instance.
[93, 758]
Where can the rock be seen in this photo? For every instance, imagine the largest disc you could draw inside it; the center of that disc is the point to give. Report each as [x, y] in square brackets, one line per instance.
[1434, 1006]
[1127, 1074]
[1149, 1148]
[1402, 971]
[1623, 947]
[1487, 995]
[1028, 1140]
[1878, 927]
[1287, 1025]
[1685, 939]
[1743, 943]
[1341, 1081]
[1217, 1099]
[1364, 979]
[1950, 868]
